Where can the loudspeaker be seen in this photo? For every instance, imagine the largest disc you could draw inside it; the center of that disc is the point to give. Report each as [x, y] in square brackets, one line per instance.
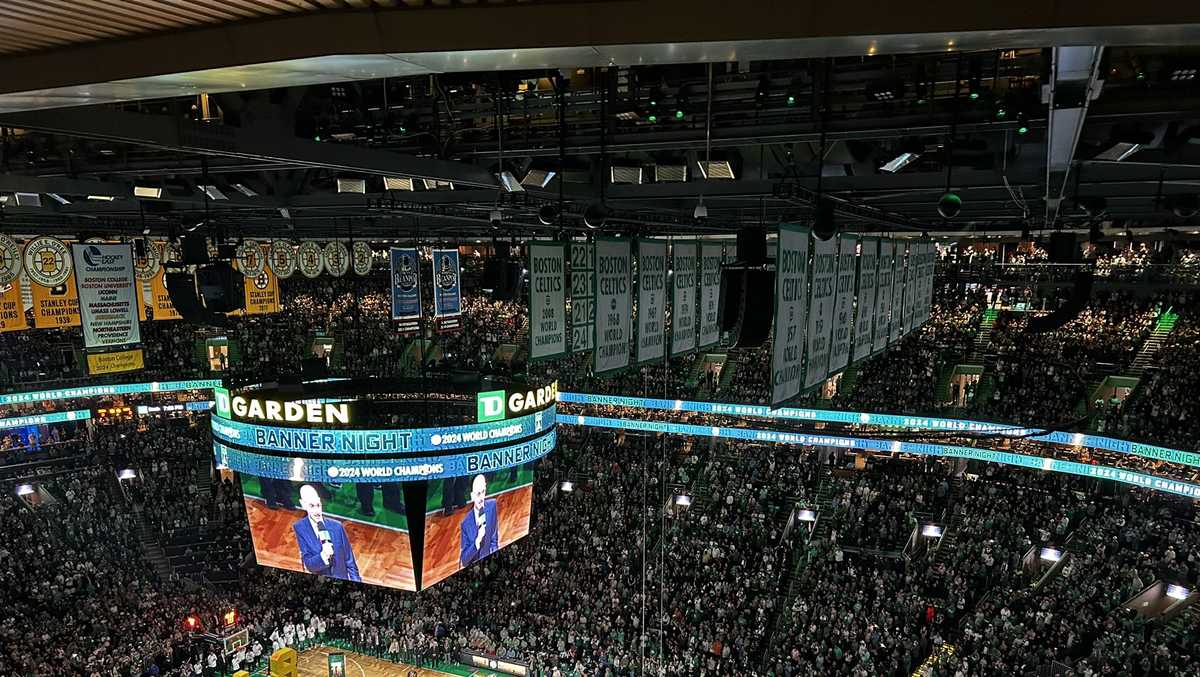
[824, 224]
[752, 246]
[1062, 248]
[181, 288]
[503, 277]
[746, 305]
[1069, 310]
[222, 289]
[195, 249]
[313, 368]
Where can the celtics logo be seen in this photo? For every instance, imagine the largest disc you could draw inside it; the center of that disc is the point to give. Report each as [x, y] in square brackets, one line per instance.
[10, 259]
[250, 258]
[146, 267]
[309, 258]
[337, 258]
[361, 254]
[47, 261]
[447, 275]
[282, 259]
[406, 274]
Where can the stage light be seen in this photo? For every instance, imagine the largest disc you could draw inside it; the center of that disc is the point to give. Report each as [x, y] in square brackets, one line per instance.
[700, 212]
[1050, 554]
[127, 474]
[899, 162]
[547, 215]
[350, 186]
[495, 218]
[595, 216]
[949, 205]
[1177, 591]
[152, 192]
[25, 489]
[215, 193]
[509, 182]
[398, 183]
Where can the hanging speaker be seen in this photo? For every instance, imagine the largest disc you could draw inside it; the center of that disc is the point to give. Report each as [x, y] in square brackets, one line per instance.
[1081, 292]
[747, 304]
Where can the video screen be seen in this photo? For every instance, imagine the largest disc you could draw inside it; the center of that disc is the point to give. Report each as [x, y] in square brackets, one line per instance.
[471, 517]
[356, 532]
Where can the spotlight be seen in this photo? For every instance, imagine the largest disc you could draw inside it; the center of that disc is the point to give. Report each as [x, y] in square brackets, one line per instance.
[1184, 206]
[949, 205]
[547, 215]
[509, 182]
[496, 217]
[595, 215]
[701, 212]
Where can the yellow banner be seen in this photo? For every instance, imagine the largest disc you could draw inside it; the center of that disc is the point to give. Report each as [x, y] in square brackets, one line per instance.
[262, 293]
[115, 363]
[160, 302]
[57, 307]
[12, 311]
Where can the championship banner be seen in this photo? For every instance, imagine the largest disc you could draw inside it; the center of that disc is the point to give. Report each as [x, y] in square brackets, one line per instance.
[683, 297]
[262, 293]
[614, 312]
[116, 362]
[160, 301]
[12, 311]
[447, 290]
[787, 347]
[820, 311]
[930, 264]
[55, 307]
[583, 300]
[406, 290]
[843, 306]
[883, 296]
[10, 259]
[864, 324]
[547, 300]
[710, 293]
[109, 295]
[652, 299]
[900, 299]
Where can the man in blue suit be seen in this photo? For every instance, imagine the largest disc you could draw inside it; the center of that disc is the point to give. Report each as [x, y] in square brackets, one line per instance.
[324, 548]
[480, 526]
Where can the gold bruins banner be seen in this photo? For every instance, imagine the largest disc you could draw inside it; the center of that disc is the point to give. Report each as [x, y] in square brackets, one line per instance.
[262, 293]
[12, 312]
[56, 306]
[160, 301]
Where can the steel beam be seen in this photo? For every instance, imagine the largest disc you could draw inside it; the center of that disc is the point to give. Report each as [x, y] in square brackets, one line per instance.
[1074, 83]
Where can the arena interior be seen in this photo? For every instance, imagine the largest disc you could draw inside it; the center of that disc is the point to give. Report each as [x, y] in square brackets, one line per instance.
[598, 337]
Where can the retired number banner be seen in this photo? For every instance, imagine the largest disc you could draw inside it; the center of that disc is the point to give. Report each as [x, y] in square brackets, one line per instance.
[406, 290]
[864, 323]
[652, 298]
[614, 313]
[820, 311]
[899, 279]
[547, 300]
[710, 293]
[883, 296]
[843, 305]
[683, 297]
[109, 294]
[787, 348]
[583, 299]
[447, 290]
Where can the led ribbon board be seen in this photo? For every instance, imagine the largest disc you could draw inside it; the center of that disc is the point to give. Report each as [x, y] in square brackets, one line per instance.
[382, 455]
[895, 446]
[924, 423]
[40, 419]
[99, 391]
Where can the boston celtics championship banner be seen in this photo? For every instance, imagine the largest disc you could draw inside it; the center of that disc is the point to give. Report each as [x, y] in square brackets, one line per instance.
[710, 293]
[820, 311]
[447, 290]
[791, 297]
[406, 290]
[109, 295]
[683, 297]
[864, 322]
[614, 308]
[899, 281]
[583, 299]
[843, 308]
[547, 300]
[652, 299]
[883, 296]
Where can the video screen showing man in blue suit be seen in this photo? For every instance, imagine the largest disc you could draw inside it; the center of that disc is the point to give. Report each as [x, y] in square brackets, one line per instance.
[480, 526]
[324, 548]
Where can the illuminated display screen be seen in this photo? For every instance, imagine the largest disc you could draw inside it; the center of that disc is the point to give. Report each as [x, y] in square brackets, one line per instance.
[100, 391]
[40, 419]
[896, 446]
[390, 441]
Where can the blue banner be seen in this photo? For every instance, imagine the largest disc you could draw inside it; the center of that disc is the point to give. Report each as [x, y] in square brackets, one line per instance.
[100, 391]
[895, 446]
[447, 290]
[406, 289]
[40, 419]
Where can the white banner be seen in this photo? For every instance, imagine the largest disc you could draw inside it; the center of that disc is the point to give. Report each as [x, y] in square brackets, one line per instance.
[820, 311]
[652, 300]
[614, 311]
[547, 300]
[864, 322]
[683, 297]
[787, 349]
[843, 313]
[898, 280]
[109, 294]
[883, 296]
[930, 263]
[583, 300]
[710, 292]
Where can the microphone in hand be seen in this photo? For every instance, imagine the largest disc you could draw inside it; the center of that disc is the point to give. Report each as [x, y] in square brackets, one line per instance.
[482, 531]
[326, 542]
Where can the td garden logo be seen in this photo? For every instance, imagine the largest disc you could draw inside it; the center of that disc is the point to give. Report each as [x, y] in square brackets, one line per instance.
[496, 405]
